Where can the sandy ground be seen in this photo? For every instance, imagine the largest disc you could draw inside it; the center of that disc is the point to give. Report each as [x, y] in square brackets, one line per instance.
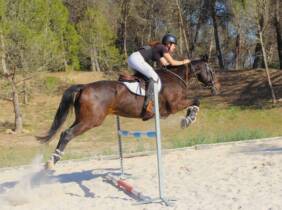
[231, 176]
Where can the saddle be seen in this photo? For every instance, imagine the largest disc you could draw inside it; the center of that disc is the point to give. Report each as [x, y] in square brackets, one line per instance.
[137, 84]
[124, 77]
[135, 78]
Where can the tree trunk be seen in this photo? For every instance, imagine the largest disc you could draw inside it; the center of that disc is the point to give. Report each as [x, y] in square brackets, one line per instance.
[277, 25]
[65, 60]
[150, 32]
[270, 54]
[258, 61]
[96, 59]
[92, 58]
[125, 38]
[25, 92]
[198, 26]
[16, 104]
[180, 42]
[125, 11]
[266, 69]
[65, 63]
[3, 55]
[237, 51]
[11, 79]
[216, 37]
[210, 48]
[25, 67]
[183, 29]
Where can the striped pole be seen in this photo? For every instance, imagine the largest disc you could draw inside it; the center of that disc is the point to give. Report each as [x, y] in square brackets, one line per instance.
[124, 186]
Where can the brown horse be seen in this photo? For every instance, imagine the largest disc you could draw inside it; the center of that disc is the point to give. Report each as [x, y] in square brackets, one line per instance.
[93, 102]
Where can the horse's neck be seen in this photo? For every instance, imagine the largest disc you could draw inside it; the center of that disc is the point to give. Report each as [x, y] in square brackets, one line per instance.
[180, 71]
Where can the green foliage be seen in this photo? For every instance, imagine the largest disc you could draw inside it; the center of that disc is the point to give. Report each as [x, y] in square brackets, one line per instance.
[235, 135]
[97, 35]
[190, 141]
[239, 4]
[65, 32]
[2, 9]
[71, 41]
[242, 134]
[39, 35]
[49, 35]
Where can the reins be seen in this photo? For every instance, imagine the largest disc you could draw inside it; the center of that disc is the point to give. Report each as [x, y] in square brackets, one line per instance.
[176, 75]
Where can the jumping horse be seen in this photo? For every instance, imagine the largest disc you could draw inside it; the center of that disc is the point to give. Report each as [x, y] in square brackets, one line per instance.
[93, 102]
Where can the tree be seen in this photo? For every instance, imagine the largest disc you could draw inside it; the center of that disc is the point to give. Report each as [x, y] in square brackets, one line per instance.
[182, 28]
[125, 9]
[98, 40]
[65, 32]
[10, 76]
[262, 6]
[216, 34]
[238, 7]
[34, 35]
[278, 29]
[202, 16]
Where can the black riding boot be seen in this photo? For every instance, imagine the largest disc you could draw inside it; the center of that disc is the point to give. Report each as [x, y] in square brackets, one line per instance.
[148, 108]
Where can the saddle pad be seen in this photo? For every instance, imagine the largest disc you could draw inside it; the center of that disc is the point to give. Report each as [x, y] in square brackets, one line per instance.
[135, 88]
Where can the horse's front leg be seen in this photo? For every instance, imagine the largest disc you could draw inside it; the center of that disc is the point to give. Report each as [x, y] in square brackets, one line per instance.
[191, 114]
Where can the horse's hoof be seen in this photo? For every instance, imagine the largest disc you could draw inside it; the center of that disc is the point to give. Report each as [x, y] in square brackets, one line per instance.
[49, 166]
[184, 123]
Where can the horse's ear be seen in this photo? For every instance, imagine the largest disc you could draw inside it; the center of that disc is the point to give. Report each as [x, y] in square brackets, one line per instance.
[205, 57]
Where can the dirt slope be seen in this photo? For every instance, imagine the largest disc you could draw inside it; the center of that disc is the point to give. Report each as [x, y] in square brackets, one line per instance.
[244, 87]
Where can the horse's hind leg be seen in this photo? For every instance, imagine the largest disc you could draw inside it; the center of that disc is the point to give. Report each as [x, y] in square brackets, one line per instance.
[75, 130]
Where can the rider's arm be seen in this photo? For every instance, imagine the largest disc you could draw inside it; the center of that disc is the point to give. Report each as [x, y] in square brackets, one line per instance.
[168, 60]
[163, 61]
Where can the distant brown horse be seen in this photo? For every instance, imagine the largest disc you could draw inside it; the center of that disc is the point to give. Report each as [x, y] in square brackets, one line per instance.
[93, 102]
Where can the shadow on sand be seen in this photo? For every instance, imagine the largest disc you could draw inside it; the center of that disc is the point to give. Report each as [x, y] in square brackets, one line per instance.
[47, 177]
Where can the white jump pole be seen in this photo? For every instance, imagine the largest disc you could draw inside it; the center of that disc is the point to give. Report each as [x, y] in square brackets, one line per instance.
[158, 140]
[159, 150]
[120, 146]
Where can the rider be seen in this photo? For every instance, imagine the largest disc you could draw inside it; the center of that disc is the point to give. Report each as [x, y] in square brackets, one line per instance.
[160, 52]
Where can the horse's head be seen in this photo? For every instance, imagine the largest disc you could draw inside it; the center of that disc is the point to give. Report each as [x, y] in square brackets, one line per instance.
[205, 74]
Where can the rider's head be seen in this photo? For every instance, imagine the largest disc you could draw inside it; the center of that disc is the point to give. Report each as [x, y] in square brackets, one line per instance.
[170, 42]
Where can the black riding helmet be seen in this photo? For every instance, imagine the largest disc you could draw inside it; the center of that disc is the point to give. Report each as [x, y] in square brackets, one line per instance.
[169, 38]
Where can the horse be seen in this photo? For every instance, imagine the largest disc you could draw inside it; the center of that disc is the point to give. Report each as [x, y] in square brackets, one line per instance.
[94, 101]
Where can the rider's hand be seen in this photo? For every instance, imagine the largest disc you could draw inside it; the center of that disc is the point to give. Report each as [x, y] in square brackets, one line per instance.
[186, 61]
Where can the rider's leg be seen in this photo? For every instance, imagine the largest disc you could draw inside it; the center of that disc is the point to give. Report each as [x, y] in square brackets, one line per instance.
[149, 95]
[137, 62]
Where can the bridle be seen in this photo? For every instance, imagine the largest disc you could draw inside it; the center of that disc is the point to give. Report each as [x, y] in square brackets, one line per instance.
[209, 72]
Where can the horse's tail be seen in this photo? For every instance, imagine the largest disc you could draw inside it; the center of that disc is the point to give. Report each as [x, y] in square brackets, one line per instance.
[66, 103]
